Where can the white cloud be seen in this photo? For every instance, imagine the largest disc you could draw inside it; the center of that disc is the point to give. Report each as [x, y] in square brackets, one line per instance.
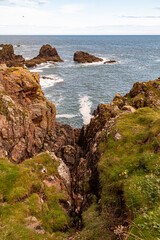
[21, 16]
[30, 3]
[71, 8]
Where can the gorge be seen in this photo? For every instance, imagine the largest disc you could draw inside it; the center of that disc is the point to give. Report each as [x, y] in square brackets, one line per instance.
[97, 182]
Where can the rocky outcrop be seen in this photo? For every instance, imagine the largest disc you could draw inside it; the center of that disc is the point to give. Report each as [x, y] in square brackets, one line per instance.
[46, 54]
[84, 57]
[27, 120]
[105, 143]
[8, 57]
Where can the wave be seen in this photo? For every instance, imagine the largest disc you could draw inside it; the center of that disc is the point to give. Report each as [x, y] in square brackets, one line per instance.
[50, 80]
[66, 115]
[41, 66]
[85, 109]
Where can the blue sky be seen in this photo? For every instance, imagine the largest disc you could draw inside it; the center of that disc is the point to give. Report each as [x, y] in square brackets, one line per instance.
[61, 17]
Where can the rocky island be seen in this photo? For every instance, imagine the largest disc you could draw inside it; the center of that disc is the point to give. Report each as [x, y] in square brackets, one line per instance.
[84, 57]
[46, 54]
[98, 182]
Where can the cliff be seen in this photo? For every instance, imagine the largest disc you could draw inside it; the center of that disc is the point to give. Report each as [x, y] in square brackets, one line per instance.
[27, 120]
[102, 179]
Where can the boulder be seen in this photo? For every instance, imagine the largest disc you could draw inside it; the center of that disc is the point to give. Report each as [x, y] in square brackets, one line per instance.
[46, 54]
[84, 57]
[8, 57]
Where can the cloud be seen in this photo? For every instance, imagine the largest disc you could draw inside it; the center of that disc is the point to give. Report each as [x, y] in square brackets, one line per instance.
[26, 2]
[71, 8]
[43, 1]
[140, 16]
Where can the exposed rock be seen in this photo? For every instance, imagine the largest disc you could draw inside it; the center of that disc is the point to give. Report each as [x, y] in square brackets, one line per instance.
[83, 57]
[34, 225]
[117, 136]
[8, 57]
[46, 54]
[26, 118]
[110, 61]
[128, 108]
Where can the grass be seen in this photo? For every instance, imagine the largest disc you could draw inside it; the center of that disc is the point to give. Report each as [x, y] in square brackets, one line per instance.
[21, 192]
[130, 174]
[132, 166]
[95, 226]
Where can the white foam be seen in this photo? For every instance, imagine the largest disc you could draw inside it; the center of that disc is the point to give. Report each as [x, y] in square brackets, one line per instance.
[36, 70]
[50, 80]
[85, 108]
[66, 116]
[40, 67]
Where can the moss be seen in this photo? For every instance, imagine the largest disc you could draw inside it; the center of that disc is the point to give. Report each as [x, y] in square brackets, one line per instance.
[146, 226]
[24, 194]
[94, 225]
[131, 166]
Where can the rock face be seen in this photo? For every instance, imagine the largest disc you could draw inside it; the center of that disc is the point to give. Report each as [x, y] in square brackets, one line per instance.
[83, 57]
[46, 54]
[26, 118]
[8, 57]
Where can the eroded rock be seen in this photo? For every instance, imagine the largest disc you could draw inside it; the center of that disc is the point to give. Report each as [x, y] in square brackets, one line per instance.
[84, 57]
[8, 57]
[46, 54]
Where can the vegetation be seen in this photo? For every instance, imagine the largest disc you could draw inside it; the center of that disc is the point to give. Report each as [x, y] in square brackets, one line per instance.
[23, 193]
[130, 178]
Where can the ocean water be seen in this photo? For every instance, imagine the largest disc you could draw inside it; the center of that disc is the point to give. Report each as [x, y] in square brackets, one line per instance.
[77, 89]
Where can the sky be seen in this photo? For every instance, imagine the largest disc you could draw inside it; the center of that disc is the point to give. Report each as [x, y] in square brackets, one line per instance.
[79, 17]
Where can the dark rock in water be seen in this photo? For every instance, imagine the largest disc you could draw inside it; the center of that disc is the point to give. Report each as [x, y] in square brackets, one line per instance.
[47, 78]
[110, 61]
[84, 57]
[8, 57]
[18, 45]
[46, 54]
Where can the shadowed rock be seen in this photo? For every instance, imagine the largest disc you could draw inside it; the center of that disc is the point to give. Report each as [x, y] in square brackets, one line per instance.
[46, 54]
[8, 57]
[84, 57]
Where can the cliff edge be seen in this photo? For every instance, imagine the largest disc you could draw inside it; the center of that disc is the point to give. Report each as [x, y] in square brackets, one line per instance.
[102, 180]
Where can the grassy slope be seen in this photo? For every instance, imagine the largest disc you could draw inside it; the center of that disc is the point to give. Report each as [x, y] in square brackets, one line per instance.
[20, 189]
[130, 173]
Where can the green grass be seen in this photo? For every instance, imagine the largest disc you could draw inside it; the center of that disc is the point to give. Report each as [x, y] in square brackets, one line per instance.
[132, 165]
[21, 190]
[95, 226]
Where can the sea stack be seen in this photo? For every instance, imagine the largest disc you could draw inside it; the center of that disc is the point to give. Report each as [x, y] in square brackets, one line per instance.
[8, 57]
[46, 54]
[84, 57]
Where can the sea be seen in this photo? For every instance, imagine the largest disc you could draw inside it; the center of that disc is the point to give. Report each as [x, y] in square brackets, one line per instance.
[77, 89]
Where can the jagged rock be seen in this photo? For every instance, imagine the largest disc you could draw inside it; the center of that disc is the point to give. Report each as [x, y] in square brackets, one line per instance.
[83, 57]
[110, 61]
[46, 54]
[8, 57]
[26, 118]
[69, 154]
